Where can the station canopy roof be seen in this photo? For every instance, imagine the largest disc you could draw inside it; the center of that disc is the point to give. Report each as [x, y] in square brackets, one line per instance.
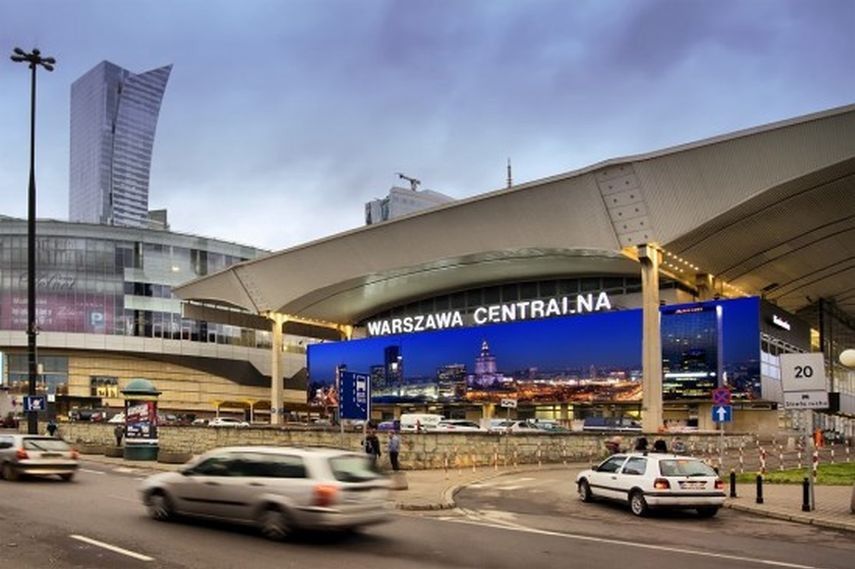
[769, 210]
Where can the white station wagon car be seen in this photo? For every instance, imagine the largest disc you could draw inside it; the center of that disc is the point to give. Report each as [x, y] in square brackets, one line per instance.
[277, 489]
[651, 480]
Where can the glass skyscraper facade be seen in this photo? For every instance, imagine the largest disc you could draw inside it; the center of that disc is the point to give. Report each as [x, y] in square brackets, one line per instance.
[113, 120]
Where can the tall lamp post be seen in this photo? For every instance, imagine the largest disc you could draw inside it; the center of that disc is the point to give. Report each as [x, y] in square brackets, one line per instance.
[34, 59]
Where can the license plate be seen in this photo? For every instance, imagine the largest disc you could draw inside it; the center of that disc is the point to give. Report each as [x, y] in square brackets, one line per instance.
[51, 455]
[693, 485]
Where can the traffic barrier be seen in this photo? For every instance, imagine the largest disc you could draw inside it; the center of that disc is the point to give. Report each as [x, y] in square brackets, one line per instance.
[732, 484]
[762, 462]
[759, 499]
[780, 459]
[741, 460]
[806, 495]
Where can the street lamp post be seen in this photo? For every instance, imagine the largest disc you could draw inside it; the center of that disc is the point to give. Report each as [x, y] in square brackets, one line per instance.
[34, 59]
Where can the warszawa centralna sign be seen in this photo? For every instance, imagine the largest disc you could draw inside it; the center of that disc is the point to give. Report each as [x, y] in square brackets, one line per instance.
[492, 314]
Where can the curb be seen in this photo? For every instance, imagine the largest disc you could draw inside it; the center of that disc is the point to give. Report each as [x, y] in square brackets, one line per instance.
[447, 500]
[797, 518]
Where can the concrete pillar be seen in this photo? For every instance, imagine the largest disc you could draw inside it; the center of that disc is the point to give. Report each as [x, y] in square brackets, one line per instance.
[651, 359]
[276, 386]
[705, 284]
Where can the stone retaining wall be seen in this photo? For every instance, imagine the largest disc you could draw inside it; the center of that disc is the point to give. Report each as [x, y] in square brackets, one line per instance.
[424, 450]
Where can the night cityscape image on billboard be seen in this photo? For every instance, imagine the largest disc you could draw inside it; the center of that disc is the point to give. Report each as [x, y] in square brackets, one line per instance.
[590, 358]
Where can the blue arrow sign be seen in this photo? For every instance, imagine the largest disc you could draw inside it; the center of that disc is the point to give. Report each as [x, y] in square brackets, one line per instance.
[722, 413]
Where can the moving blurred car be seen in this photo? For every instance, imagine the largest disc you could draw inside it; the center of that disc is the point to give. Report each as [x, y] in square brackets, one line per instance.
[389, 426]
[227, 422]
[457, 425]
[276, 489]
[37, 456]
[648, 480]
[117, 418]
[511, 426]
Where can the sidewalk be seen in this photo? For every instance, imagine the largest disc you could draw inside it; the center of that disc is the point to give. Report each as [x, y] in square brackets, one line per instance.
[435, 490]
[784, 502]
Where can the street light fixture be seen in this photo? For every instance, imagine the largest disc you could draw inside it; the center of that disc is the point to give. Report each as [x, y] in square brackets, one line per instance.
[34, 59]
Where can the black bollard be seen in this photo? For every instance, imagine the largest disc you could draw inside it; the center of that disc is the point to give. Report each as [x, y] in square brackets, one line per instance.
[759, 488]
[732, 484]
[806, 495]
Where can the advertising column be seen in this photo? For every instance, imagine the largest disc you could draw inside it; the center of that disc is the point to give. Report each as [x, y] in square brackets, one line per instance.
[141, 441]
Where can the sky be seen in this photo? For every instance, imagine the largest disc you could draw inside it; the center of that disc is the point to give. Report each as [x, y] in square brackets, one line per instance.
[283, 117]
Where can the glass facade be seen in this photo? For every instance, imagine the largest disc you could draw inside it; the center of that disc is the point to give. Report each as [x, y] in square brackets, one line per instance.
[107, 280]
[113, 120]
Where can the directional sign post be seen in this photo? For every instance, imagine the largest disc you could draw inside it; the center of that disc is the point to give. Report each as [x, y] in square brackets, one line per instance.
[35, 403]
[722, 413]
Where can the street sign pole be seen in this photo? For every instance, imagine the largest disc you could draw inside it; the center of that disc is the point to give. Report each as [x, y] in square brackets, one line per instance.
[340, 419]
[811, 449]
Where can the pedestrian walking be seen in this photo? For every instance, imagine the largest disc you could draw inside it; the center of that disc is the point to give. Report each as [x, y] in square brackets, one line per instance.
[372, 447]
[641, 444]
[119, 431]
[394, 448]
[51, 429]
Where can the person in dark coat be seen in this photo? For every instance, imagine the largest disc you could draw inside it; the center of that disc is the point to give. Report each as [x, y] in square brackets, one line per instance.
[641, 444]
[372, 446]
[119, 432]
[51, 429]
[659, 445]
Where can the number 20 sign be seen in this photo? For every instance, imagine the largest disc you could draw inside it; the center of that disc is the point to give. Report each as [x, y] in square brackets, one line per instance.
[803, 372]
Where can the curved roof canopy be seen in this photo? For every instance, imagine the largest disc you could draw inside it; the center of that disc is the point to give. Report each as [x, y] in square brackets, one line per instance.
[770, 209]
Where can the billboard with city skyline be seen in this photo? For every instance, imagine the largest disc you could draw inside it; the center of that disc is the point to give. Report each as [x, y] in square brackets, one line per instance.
[582, 358]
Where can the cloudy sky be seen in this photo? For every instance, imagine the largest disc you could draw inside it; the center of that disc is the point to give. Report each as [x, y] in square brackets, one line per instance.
[283, 117]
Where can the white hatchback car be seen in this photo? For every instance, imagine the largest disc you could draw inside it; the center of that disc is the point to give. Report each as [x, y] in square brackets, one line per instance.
[651, 480]
[277, 489]
[227, 422]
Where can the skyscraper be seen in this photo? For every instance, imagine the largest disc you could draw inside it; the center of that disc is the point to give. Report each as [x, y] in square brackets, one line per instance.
[113, 119]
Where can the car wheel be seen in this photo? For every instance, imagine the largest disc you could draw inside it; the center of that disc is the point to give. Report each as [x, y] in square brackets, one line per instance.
[274, 524]
[637, 503]
[585, 491]
[160, 507]
[9, 472]
[67, 477]
[708, 512]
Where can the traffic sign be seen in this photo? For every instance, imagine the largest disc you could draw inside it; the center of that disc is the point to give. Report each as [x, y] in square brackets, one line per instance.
[508, 403]
[721, 396]
[722, 413]
[34, 403]
[803, 381]
[355, 395]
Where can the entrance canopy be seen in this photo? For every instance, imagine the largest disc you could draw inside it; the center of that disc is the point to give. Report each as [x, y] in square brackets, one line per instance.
[769, 210]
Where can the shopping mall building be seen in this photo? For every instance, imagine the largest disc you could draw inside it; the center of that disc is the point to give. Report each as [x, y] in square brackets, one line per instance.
[632, 287]
[106, 314]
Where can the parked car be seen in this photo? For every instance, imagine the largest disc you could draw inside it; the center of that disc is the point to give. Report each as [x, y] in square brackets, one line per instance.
[621, 424]
[37, 456]
[389, 426]
[227, 422]
[458, 425]
[280, 489]
[199, 422]
[419, 421]
[513, 426]
[551, 426]
[117, 418]
[649, 481]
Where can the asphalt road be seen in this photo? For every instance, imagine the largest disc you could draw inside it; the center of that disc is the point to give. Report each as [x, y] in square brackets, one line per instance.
[509, 524]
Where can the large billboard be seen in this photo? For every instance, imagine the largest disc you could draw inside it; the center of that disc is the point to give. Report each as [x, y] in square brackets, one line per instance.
[588, 358]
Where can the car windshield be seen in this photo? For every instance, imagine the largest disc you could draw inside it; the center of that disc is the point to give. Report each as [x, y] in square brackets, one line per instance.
[685, 467]
[353, 468]
[55, 445]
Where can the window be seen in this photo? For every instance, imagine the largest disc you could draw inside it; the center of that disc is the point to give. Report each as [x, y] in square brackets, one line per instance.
[271, 466]
[635, 466]
[214, 466]
[612, 465]
[101, 386]
[685, 468]
[353, 468]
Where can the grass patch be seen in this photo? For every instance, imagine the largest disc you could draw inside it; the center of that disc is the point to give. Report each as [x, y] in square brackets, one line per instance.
[828, 474]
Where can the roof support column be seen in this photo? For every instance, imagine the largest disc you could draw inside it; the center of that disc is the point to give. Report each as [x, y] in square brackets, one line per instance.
[650, 257]
[276, 384]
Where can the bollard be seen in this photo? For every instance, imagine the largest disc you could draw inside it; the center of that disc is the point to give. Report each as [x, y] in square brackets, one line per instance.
[759, 488]
[806, 495]
[732, 484]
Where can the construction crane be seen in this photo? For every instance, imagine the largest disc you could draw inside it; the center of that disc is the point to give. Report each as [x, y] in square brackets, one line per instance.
[414, 183]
